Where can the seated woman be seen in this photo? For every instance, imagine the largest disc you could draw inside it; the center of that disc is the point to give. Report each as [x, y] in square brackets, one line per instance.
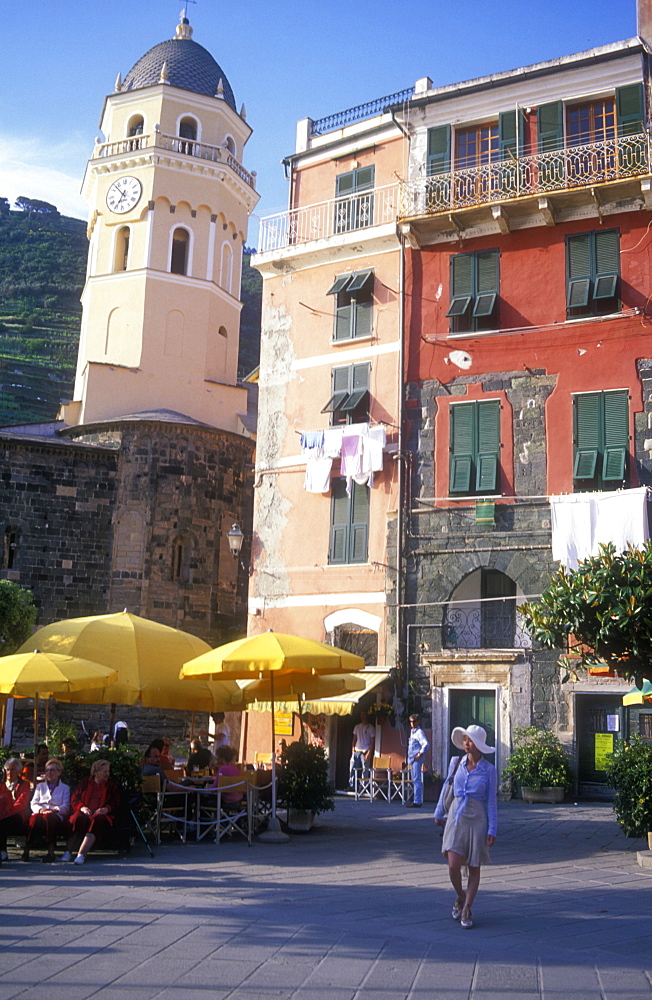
[95, 802]
[225, 766]
[200, 758]
[19, 792]
[50, 807]
[167, 760]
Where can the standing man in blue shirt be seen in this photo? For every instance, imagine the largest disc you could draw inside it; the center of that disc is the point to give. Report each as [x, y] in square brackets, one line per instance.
[417, 746]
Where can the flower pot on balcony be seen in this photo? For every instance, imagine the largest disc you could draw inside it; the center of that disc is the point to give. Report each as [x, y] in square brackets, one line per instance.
[544, 795]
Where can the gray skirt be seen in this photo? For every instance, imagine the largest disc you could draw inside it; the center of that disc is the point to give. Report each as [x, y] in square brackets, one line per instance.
[467, 837]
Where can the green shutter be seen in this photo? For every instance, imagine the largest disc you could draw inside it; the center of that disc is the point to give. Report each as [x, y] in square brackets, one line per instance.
[613, 464]
[343, 315]
[550, 119]
[439, 150]
[587, 433]
[487, 282]
[488, 446]
[364, 178]
[630, 109]
[339, 522]
[510, 149]
[359, 538]
[579, 270]
[341, 379]
[345, 184]
[462, 446]
[607, 263]
[362, 319]
[360, 376]
[616, 418]
[461, 283]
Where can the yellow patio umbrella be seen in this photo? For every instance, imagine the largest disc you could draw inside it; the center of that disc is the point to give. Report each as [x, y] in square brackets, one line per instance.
[147, 658]
[297, 684]
[38, 672]
[268, 656]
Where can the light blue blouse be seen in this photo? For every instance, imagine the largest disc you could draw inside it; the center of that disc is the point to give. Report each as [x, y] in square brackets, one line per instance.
[479, 783]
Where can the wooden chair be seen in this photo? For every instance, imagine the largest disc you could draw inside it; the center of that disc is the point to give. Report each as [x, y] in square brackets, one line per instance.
[262, 761]
[381, 785]
[173, 812]
[150, 789]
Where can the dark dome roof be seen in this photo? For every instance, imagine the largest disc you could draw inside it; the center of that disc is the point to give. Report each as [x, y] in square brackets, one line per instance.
[189, 66]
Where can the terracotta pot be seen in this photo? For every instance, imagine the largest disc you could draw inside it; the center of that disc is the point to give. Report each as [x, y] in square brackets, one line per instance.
[546, 795]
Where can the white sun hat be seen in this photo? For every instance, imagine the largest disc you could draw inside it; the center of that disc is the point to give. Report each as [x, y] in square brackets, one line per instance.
[475, 733]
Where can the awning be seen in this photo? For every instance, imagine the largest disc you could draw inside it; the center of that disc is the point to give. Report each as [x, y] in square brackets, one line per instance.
[342, 705]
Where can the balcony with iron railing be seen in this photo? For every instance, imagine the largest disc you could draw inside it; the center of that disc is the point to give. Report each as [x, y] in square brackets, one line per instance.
[569, 174]
[332, 218]
[133, 145]
[484, 627]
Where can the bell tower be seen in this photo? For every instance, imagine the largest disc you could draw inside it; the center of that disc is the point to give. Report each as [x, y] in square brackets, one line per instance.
[169, 202]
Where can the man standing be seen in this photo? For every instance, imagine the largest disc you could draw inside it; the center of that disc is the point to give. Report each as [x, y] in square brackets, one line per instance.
[362, 747]
[417, 746]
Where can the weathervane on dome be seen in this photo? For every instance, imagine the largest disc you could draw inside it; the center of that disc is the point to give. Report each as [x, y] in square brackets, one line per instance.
[184, 10]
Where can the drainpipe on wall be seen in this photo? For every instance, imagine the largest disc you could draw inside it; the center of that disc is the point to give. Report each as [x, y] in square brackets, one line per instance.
[400, 484]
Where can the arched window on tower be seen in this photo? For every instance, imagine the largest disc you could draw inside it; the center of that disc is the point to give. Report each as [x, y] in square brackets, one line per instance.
[121, 258]
[187, 135]
[179, 253]
[135, 129]
[226, 267]
[229, 144]
[182, 552]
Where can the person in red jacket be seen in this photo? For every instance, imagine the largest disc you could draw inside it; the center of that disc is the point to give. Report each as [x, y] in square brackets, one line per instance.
[94, 804]
[17, 793]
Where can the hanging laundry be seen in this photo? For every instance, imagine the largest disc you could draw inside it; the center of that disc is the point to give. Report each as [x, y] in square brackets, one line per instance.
[332, 446]
[581, 522]
[318, 474]
[312, 441]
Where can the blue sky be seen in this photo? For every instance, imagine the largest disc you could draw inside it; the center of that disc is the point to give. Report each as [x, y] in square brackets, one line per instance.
[285, 60]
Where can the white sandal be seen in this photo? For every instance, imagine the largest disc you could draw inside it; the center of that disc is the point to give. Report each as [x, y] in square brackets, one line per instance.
[467, 918]
[458, 906]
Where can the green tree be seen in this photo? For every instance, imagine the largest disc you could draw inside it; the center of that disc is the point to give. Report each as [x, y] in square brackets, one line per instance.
[602, 611]
[17, 616]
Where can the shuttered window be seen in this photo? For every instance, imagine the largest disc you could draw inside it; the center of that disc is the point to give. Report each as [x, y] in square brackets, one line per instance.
[474, 284]
[349, 401]
[474, 447]
[592, 272]
[601, 440]
[353, 304]
[439, 150]
[349, 535]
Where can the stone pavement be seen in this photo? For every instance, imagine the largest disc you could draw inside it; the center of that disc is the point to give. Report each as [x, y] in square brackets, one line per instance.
[358, 909]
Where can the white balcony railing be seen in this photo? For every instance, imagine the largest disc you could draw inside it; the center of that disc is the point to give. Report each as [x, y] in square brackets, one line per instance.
[329, 218]
[535, 174]
[174, 144]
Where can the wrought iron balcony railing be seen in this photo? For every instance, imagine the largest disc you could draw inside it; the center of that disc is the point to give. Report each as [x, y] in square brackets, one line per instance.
[174, 144]
[481, 628]
[612, 159]
[329, 218]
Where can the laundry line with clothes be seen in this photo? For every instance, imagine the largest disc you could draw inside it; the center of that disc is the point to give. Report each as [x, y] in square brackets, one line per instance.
[581, 522]
[359, 447]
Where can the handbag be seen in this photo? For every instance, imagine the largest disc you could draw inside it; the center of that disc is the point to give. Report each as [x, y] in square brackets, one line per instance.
[449, 793]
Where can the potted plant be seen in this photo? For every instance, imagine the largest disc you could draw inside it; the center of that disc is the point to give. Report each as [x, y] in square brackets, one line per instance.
[303, 784]
[538, 766]
[379, 711]
[629, 772]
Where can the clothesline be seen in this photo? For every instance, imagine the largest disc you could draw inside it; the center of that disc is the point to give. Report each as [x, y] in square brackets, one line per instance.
[513, 496]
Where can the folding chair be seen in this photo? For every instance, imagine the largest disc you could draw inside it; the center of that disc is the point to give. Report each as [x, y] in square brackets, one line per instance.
[147, 805]
[262, 760]
[380, 785]
[406, 786]
[362, 784]
[173, 812]
[215, 815]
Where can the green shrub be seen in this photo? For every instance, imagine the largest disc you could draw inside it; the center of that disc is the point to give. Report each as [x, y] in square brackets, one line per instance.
[537, 761]
[629, 772]
[303, 782]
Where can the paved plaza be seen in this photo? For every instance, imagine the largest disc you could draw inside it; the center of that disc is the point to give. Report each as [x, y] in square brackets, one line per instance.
[358, 909]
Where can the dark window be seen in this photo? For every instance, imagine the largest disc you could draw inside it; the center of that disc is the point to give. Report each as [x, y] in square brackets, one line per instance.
[645, 725]
[353, 303]
[182, 553]
[179, 257]
[349, 402]
[355, 206]
[136, 126]
[474, 285]
[349, 534]
[592, 272]
[474, 447]
[601, 440]
[187, 135]
[9, 548]
[122, 249]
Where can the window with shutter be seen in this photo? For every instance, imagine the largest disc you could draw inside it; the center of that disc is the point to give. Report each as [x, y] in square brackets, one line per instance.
[349, 402]
[474, 283]
[474, 447]
[354, 207]
[592, 272]
[349, 534]
[601, 439]
[439, 150]
[353, 304]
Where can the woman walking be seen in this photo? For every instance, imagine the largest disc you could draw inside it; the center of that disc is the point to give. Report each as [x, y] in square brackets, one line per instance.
[470, 828]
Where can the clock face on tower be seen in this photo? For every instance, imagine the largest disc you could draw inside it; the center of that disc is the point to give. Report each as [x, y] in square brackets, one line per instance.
[124, 194]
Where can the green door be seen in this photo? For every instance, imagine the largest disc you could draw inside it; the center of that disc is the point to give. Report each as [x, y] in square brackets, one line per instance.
[469, 706]
[597, 715]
